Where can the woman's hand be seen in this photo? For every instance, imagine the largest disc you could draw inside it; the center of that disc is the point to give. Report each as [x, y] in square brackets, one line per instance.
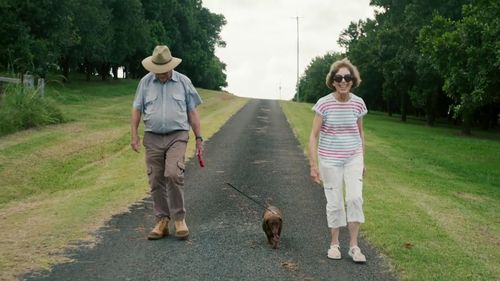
[315, 175]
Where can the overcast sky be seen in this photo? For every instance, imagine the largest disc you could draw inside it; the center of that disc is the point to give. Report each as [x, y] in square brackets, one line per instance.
[261, 38]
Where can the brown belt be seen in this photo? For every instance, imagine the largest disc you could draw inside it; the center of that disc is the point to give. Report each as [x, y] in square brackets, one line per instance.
[164, 134]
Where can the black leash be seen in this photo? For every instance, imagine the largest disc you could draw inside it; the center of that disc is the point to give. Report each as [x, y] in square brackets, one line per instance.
[255, 201]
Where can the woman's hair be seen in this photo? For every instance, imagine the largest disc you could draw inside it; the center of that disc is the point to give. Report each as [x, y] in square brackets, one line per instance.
[334, 68]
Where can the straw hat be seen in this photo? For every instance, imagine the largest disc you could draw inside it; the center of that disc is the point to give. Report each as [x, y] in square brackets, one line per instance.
[161, 61]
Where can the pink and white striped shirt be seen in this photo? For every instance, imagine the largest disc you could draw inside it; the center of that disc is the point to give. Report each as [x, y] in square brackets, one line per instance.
[339, 138]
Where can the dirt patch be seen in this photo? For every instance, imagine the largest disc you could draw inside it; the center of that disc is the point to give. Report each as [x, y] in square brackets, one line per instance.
[470, 197]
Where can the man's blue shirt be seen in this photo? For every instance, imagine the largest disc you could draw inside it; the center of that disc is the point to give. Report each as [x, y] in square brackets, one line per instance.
[164, 106]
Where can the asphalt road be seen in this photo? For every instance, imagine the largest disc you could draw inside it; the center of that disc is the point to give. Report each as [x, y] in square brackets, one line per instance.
[257, 152]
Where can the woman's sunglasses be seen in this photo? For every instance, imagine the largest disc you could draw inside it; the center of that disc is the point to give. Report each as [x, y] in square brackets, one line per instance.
[338, 78]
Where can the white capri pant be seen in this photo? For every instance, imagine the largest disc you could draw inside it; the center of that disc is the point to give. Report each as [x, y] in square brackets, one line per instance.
[334, 178]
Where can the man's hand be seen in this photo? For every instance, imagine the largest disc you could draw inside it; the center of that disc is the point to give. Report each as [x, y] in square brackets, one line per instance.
[199, 152]
[315, 175]
[135, 143]
[199, 147]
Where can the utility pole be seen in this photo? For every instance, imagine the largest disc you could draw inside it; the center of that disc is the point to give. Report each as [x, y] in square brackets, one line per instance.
[280, 89]
[297, 82]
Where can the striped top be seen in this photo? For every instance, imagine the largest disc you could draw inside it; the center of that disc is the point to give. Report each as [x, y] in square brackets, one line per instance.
[339, 138]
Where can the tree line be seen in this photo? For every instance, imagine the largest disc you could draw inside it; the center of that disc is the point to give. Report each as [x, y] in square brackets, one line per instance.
[438, 59]
[96, 36]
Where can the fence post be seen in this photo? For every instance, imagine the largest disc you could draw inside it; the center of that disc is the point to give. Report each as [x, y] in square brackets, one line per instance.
[41, 87]
[29, 81]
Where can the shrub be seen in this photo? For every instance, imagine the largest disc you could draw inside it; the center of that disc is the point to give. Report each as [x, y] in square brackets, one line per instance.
[23, 108]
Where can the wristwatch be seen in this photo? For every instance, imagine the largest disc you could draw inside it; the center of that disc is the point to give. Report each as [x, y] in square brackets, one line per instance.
[199, 138]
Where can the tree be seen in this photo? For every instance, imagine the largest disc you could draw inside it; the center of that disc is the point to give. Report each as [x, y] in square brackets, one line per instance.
[427, 89]
[399, 27]
[94, 27]
[192, 33]
[396, 41]
[43, 30]
[130, 31]
[464, 51]
[95, 36]
[363, 49]
[312, 84]
[15, 54]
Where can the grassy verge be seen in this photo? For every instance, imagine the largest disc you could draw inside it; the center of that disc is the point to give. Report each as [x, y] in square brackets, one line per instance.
[432, 197]
[61, 183]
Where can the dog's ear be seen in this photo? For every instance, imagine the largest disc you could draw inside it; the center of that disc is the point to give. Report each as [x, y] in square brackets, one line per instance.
[268, 225]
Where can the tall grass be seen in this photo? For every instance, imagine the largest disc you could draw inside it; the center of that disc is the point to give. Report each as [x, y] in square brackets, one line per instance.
[23, 108]
[432, 196]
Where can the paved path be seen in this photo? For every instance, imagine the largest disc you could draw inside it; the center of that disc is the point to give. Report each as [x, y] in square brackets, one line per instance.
[257, 152]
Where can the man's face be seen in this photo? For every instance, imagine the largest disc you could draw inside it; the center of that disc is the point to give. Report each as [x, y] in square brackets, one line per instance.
[164, 77]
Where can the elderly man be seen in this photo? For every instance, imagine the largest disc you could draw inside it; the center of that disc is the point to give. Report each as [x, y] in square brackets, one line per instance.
[166, 100]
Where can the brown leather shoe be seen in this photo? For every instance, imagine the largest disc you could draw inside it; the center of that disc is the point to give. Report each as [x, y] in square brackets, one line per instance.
[181, 229]
[160, 230]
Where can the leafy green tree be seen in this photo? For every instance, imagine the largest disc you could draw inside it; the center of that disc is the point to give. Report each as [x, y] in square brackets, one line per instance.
[312, 84]
[363, 49]
[156, 35]
[466, 53]
[94, 27]
[431, 57]
[396, 76]
[192, 32]
[15, 54]
[95, 36]
[399, 25]
[427, 93]
[197, 38]
[213, 74]
[395, 40]
[68, 37]
[42, 30]
[130, 31]
[427, 89]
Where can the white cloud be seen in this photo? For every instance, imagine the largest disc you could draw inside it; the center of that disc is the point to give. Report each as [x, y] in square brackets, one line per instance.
[261, 40]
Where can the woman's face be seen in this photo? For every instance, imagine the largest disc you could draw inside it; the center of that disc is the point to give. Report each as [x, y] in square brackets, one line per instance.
[342, 81]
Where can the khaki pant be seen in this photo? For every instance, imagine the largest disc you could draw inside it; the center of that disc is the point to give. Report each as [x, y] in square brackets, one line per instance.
[165, 168]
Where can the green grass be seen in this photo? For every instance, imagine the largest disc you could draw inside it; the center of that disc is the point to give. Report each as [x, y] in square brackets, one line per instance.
[432, 197]
[62, 182]
[22, 108]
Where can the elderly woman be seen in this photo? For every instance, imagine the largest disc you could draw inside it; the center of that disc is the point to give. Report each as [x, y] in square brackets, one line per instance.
[337, 138]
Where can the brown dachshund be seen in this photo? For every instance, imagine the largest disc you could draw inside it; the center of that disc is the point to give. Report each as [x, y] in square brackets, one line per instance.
[272, 220]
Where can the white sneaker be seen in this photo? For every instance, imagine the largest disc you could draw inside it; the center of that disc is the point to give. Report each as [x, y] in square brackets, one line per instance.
[356, 255]
[334, 252]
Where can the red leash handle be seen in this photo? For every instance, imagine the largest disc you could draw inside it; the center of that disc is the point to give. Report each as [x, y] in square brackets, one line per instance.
[200, 159]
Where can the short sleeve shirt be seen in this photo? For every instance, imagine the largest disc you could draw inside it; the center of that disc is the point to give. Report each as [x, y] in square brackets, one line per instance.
[164, 106]
[339, 138]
